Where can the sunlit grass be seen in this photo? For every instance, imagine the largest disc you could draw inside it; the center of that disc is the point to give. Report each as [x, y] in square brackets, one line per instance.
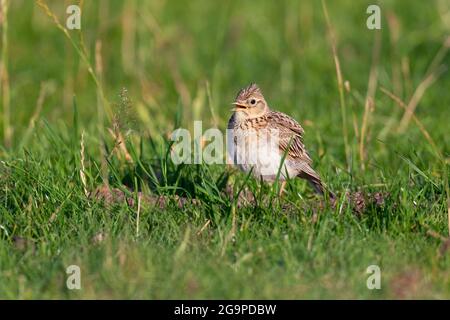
[162, 65]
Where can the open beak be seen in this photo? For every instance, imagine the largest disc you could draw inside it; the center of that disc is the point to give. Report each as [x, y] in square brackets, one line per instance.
[238, 106]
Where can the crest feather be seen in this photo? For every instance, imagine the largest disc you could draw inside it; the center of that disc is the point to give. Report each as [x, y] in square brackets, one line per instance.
[251, 90]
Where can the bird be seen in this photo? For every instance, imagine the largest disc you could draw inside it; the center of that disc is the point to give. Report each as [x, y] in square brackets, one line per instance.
[268, 143]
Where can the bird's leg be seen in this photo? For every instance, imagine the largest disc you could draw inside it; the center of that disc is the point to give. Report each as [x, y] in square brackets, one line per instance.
[283, 184]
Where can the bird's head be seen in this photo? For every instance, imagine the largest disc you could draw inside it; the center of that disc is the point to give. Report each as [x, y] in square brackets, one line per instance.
[250, 103]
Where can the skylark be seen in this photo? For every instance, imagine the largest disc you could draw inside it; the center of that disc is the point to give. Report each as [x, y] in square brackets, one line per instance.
[268, 143]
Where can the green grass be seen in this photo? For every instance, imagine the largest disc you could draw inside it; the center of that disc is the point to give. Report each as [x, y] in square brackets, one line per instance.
[185, 61]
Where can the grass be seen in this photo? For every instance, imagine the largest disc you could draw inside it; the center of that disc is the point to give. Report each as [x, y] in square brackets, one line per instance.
[375, 121]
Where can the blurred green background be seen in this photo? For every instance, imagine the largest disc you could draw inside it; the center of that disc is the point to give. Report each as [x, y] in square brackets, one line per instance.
[164, 53]
[181, 61]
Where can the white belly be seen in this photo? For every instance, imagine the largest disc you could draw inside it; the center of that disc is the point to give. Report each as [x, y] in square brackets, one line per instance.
[258, 152]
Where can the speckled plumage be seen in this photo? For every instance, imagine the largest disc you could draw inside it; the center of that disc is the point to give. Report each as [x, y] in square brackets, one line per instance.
[254, 126]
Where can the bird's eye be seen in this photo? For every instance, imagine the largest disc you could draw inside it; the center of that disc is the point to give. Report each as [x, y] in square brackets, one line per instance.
[252, 102]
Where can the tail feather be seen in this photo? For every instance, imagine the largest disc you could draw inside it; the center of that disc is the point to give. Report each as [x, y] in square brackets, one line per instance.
[316, 183]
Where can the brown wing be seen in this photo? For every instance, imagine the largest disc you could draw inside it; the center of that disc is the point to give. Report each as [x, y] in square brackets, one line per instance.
[290, 136]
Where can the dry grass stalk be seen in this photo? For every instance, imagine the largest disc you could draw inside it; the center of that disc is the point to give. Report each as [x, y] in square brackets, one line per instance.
[79, 48]
[340, 82]
[394, 35]
[115, 131]
[100, 109]
[204, 227]
[82, 167]
[419, 124]
[435, 235]
[119, 143]
[43, 91]
[138, 215]
[432, 74]
[370, 96]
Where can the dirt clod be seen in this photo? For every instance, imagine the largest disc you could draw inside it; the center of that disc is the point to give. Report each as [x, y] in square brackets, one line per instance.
[115, 196]
[360, 201]
[23, 244]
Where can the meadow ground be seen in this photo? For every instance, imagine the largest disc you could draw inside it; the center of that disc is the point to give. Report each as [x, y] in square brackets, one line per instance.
[376, 127]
